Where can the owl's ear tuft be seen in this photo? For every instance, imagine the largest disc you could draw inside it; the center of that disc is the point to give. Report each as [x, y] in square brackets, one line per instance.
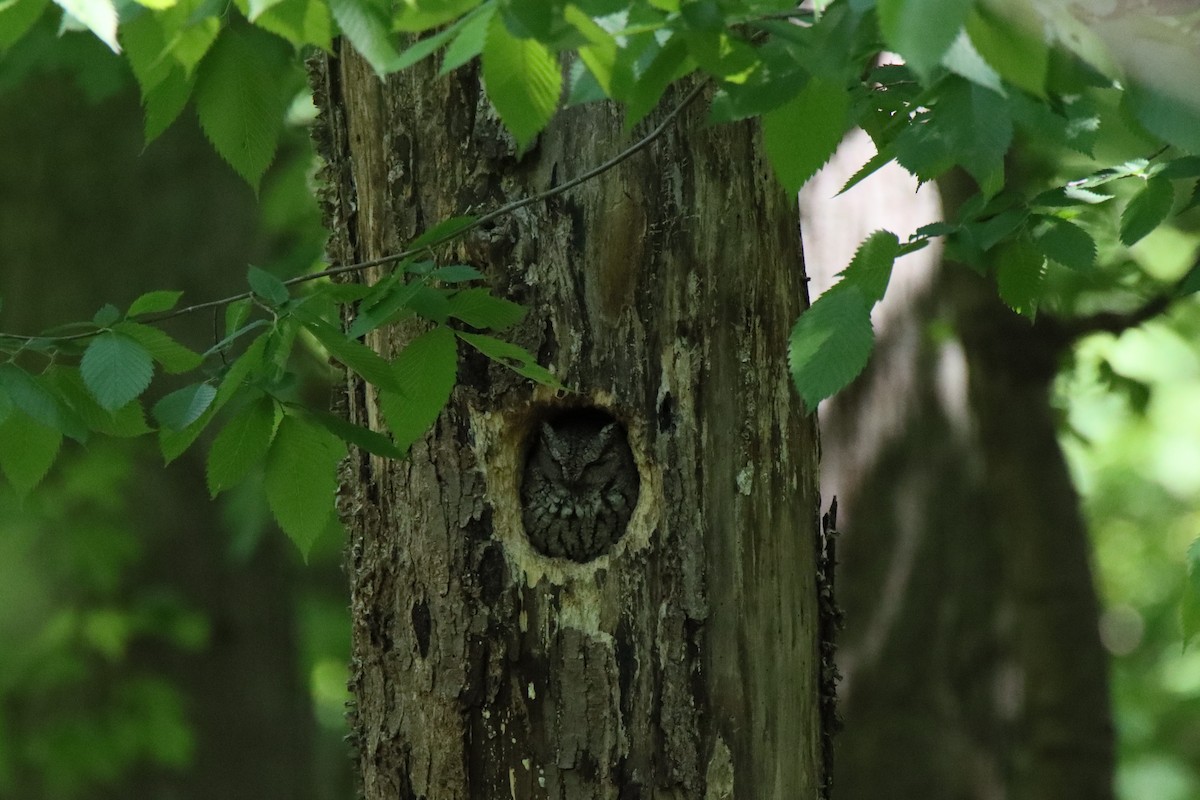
[608, 434]
[553, 440]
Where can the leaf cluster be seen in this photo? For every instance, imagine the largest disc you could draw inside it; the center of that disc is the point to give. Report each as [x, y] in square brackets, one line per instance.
[97, 381]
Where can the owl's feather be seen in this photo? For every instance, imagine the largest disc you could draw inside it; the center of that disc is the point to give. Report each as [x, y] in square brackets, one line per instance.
[579, 489]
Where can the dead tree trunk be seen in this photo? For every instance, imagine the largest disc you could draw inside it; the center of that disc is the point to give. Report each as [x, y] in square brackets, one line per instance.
[680, 660]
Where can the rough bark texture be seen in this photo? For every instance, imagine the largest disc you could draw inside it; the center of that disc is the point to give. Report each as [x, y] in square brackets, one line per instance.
[679, 664]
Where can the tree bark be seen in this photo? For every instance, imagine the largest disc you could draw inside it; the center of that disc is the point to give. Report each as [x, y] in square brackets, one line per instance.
[681, 661]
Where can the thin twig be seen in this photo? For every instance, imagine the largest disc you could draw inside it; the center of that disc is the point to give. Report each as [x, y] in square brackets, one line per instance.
[382, 260]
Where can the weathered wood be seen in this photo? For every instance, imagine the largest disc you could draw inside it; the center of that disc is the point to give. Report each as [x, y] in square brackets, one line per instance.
[681, 663]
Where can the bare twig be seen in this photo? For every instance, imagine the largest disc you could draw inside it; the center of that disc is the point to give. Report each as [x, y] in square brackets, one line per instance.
[389, 259]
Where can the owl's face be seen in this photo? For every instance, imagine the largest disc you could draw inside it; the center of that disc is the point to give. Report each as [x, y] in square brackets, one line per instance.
[580, 456]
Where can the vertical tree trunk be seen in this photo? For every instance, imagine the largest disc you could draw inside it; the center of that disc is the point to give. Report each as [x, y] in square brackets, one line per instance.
[972, 662]
[681, 661]
[1065, 743]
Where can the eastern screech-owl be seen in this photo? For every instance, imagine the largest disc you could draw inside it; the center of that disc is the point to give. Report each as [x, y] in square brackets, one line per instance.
[579, 488]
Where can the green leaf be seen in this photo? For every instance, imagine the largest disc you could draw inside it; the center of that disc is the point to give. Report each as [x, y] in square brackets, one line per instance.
[174, 357]
[127, 421]
[523, 81]
[363, 438]
[430, 304]
[301, 22]
[421, 15]
[601, 55]
[107, 315]
[153, 303]
[479, 308]
[17, 18]
[368, 28]
[236, 314]
[241, 444]
[456, 273]
[301, 479]
[1020, 275]
[165, 102]
[174, 443]
[977, 126]
[426, 370]
[182, 407]
[355, 355]
[470, 39]
[1066, 243]
[373, 314]
[1147, 209]
[871, 268]
[1169, 117]
[38, 403]
[922, 30]
[270, 289]
[670, 64]
[241, 94]
[100, 17]
[116, 369]
[444, 230]
[830, 344]
[1182, 167]
[27, 451]
[422, 49]
[1189, 609]
[1013, 46]
[1190, 283]
[801, 135]
[255, 8]
[518, 359]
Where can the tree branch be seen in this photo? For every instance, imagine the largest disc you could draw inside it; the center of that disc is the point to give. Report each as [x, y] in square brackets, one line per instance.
[1117, 322]
[359, 266]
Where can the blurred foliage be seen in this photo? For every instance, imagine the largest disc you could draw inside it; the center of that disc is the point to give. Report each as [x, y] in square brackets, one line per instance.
[72, 717]
[1136, 457]
[81, 713]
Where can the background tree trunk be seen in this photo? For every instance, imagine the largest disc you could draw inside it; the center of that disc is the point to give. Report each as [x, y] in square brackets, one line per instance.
[681, 662]
[973, 666]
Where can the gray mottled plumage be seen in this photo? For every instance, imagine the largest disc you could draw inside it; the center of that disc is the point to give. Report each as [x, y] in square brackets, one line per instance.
[579, 489]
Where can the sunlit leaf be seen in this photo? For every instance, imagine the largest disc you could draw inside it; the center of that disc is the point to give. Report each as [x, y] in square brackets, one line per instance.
[99, 16]
[523, 81]
[241, 96]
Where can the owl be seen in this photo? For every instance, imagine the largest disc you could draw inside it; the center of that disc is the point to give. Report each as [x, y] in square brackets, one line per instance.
[579, 488]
